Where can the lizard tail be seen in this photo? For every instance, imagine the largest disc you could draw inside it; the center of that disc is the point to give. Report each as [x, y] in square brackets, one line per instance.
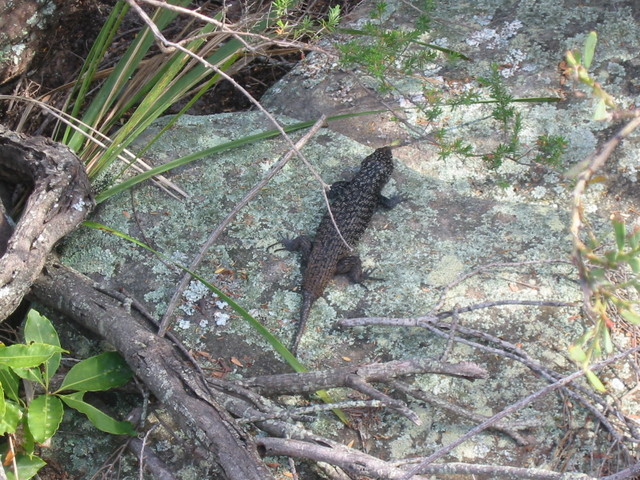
[307, 301]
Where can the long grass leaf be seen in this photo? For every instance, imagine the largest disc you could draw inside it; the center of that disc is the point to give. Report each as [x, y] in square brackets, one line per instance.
[165, 92]
[178, 162]
[123, 71]
[91, 64]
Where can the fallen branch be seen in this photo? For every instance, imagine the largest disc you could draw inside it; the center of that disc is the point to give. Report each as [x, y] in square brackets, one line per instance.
[59, 199]
[156, 362]
[296, 383]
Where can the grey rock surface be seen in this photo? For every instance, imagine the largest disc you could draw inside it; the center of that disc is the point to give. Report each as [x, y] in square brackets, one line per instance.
[459, 215]
[418, 247]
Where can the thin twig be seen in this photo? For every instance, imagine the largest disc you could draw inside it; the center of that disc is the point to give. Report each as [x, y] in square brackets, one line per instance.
[238, 34]
[484, 268]
[514, 408]
[508, 350]
[508, 428]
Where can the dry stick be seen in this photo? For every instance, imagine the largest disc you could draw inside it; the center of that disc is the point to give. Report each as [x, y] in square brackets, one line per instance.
[486, 267]
[313, 409]
[237, 34]
[164, 323]
[494, 471]
[622, 474]
[518, 355]
[515, 407]
[550, 375]
[508, 428]
[358, 384]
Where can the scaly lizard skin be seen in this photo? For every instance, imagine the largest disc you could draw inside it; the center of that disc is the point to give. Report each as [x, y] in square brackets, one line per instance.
[352, 204]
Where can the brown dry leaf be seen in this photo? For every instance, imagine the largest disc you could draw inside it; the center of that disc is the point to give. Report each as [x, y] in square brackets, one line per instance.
[237, 362]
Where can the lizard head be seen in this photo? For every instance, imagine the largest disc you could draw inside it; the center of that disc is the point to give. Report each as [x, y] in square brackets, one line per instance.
[377, 167]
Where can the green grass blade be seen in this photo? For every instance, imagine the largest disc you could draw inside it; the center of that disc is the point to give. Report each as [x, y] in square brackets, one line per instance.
[122, 72]
[91, 64]
[213, 150]
[205, 87]
[164, 94]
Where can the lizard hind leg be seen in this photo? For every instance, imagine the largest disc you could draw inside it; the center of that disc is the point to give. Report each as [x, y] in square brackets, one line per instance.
[352, 267]
[300, 244]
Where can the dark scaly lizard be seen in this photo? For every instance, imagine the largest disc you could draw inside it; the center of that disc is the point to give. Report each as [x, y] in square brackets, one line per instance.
[352, 204]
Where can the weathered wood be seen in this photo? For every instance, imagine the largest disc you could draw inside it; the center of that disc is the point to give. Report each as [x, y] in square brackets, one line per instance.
[59, 199]
[158, 364]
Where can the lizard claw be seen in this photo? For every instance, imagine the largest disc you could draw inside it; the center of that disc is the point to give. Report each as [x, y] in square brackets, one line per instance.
[366, 275]
[286, 243]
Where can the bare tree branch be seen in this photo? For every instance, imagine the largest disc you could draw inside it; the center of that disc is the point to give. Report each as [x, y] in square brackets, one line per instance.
[155, 362]
[60, 198]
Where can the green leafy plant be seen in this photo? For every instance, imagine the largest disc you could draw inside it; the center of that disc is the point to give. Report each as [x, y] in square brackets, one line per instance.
[579, 64]
[548, 150]
[297, 26]
[608, 265]
[32, 419]
[611, 273]
[379, 49]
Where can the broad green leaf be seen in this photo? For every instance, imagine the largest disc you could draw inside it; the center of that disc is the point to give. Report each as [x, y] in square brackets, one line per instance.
[27, 356]
[634, 263]
[577, 354]
[44, 417]
[12, 416]
[39, 329]
[595, 381]
[3, 402]
[101, 372]
[630, 316]
[28, 467]
[31, 374]
[589, 49]
[10, 383]
[600, 112]
[99, 419]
